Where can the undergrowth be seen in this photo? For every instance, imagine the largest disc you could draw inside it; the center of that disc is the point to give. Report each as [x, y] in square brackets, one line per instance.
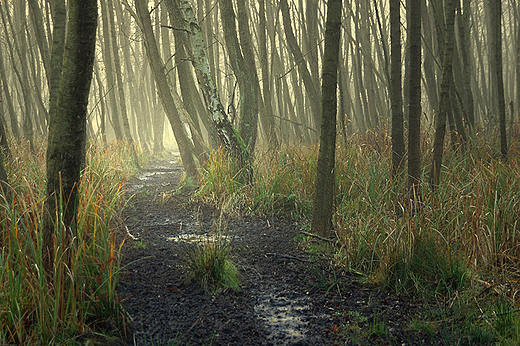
[78, 305]
[461, 248]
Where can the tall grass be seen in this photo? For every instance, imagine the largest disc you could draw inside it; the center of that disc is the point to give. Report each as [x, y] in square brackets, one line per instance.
[79, 304]
[466, 231]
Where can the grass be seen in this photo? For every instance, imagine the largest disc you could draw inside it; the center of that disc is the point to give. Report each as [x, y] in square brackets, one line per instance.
[457, 250]
[79, 305]
[209, 263]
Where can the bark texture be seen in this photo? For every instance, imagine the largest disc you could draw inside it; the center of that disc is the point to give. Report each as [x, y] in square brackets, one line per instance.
[324, 193]
[414, 99]
[67, 128]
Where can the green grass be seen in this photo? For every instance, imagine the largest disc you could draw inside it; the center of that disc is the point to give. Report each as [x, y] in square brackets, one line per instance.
[209, 263]
[464, 237]
[79, 304]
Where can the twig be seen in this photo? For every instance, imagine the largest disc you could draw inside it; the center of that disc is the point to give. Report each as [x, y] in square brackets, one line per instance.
[289, 257]
[130, 234]
[318, 237]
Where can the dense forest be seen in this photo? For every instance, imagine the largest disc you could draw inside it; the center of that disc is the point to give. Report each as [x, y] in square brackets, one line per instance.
[388, 128]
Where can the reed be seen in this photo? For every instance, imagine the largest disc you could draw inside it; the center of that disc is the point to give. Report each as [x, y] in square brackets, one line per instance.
[79, 304]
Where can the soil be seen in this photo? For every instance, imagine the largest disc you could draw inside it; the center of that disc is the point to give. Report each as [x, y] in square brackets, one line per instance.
[288, 296]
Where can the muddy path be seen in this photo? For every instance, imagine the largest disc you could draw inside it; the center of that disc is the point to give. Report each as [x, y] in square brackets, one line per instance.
[287, 296]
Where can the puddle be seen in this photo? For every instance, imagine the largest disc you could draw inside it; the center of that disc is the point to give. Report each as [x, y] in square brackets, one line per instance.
[197, 238]
[148, 174]
[283, 317]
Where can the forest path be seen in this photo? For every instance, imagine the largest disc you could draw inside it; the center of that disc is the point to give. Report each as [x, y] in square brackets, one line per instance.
[284, 298]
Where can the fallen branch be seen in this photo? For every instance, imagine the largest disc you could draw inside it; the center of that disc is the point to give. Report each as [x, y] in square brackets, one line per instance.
[318, 237]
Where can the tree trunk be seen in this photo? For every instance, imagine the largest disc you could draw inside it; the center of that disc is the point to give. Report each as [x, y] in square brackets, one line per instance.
[414, 105]
[119, 81]
[59, 18]
[325, 177]
[67, 128]
[269, 126]
[165, 93]
[36, 16]
[109, 70]
[248, 97]
[396, 92]
[5, 189]
[446, 82]
[496, 46]
[464, 33]
[225, 130]
[310, 87]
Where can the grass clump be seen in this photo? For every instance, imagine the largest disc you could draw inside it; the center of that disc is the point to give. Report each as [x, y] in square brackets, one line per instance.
[209, 264]
[79, 304]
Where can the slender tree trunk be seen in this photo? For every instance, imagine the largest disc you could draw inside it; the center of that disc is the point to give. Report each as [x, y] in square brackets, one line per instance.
[310, 87]
[518, 72]
[119, 81]
[163, 88]
[59, 17]
[496, 46]
[269, 125]
[414, 92]
[190, 95]
[36, 16]
[7, 97]
[5, 152]
[446, 84]
[464, 33]
[67, 129]
[248, 98]
[109, 70]
[396, 91]
[225, 130]
[325, 177]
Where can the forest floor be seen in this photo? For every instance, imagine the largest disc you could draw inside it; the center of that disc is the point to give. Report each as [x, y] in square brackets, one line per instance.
[288, 295]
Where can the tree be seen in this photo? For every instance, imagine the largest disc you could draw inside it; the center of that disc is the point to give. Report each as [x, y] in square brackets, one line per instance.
[325, 176]
[414, 99]
[67, 128]
[59, 17]
[5, 190]
[496, 51]
[310, 87]
[248, 93]
[227, 134]
[396, 91]
[165, 91]
[445, 90]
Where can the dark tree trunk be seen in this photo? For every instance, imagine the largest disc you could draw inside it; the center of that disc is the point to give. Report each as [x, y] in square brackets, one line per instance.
[464, 33]
[248, 123]
[446, 85]
[396, 92]
[67, 128]
[414, 92]
[325, 184]
[59, 17]
[496, 46]
[310, 87]
[5, 189]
